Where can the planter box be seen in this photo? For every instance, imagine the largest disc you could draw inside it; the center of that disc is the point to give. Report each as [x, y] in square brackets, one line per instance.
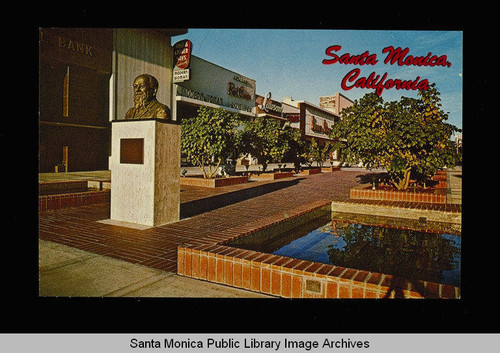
[440, 177]
[213, 183]
[330, 169]
[272, 176]
[53, 202]
[62, 187]
[310, 171]
[365, 192]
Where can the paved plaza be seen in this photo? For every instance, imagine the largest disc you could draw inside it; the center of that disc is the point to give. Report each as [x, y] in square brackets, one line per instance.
[82, 256]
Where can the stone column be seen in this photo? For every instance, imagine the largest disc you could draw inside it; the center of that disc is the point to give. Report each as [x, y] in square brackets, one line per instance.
[145, 171]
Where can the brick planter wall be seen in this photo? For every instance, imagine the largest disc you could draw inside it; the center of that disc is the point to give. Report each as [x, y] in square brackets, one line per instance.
[57, 187]
[52, 202]
[213, 183]
[272, 176]
[440, 177]
[330, 169]
[292, 278]
[310, 171]
[365, 192]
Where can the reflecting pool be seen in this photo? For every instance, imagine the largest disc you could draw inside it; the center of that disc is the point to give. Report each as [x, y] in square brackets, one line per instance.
[429, 255]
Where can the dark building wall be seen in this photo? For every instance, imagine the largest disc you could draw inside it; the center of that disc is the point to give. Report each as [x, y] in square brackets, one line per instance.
[74, 73]
[87, 148]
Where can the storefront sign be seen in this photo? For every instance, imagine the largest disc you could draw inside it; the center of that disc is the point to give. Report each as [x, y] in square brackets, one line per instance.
[182, 58]
[241, 88]
[269, 106]
[90, 48]
[239, 106]
[182, 54]
[322, 129]
[77, 47]
[217, 85]
[238, 91]
[185, 92]
[181, 75]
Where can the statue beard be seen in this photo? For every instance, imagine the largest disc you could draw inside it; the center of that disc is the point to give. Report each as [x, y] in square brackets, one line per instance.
[141, 100]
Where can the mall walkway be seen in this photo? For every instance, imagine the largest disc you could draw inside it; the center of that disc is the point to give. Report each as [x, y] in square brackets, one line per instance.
[98, 259]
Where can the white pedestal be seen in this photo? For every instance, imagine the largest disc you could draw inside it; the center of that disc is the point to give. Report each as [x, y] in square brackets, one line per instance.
[145, 171]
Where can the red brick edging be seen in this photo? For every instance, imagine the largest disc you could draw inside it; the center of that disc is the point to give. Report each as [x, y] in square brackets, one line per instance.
[292, 278]
[330, 169]
[364, 192]
[52, 202]
[56, 187]
[310, 171]
[272, 176]
[214, 182]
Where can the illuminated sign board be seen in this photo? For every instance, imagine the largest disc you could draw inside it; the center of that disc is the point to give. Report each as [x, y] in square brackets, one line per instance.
[182, 59]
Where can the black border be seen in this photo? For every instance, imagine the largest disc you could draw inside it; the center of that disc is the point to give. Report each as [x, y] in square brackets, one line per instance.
[25, 312]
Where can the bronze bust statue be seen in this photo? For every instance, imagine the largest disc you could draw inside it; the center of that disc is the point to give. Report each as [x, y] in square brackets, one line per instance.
[145, 104]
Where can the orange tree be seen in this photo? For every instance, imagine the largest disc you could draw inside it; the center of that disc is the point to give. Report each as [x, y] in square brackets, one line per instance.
[210, 138]
[267, 139]
[409, 137]
[320, 151]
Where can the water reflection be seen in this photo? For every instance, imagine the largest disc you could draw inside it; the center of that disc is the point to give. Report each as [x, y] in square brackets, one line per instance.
[403, 252]
[418, 253]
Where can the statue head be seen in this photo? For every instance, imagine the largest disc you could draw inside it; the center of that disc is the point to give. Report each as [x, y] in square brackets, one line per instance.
[145, 88]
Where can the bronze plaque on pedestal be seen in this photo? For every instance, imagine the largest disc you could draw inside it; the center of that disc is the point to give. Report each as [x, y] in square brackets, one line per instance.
[132, 151]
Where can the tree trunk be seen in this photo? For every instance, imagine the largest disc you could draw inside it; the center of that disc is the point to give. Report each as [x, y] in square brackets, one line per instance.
[402, 184]
[212, 173]
[202, 167]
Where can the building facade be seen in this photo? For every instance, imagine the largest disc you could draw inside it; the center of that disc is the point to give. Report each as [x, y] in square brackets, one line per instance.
[85, 81]
[335, 103]
[213, 86]
[75, 67]
[312, 120]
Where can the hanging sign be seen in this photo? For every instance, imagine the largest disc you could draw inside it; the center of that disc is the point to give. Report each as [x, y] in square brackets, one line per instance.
[181, 75]
[182, 58]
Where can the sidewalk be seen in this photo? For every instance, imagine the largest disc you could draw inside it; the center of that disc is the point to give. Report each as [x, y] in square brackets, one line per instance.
[68, 272]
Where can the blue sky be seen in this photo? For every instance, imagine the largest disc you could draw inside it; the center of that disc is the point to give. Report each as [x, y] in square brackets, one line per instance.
[289, 62]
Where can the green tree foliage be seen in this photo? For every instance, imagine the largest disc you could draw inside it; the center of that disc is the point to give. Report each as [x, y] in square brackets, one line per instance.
[320, 151]
[297, 144]
[210, 138]
[408, 137]
[267, 140]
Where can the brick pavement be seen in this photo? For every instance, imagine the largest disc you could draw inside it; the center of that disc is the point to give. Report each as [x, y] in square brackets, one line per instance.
[208, 216]
[230, 209]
